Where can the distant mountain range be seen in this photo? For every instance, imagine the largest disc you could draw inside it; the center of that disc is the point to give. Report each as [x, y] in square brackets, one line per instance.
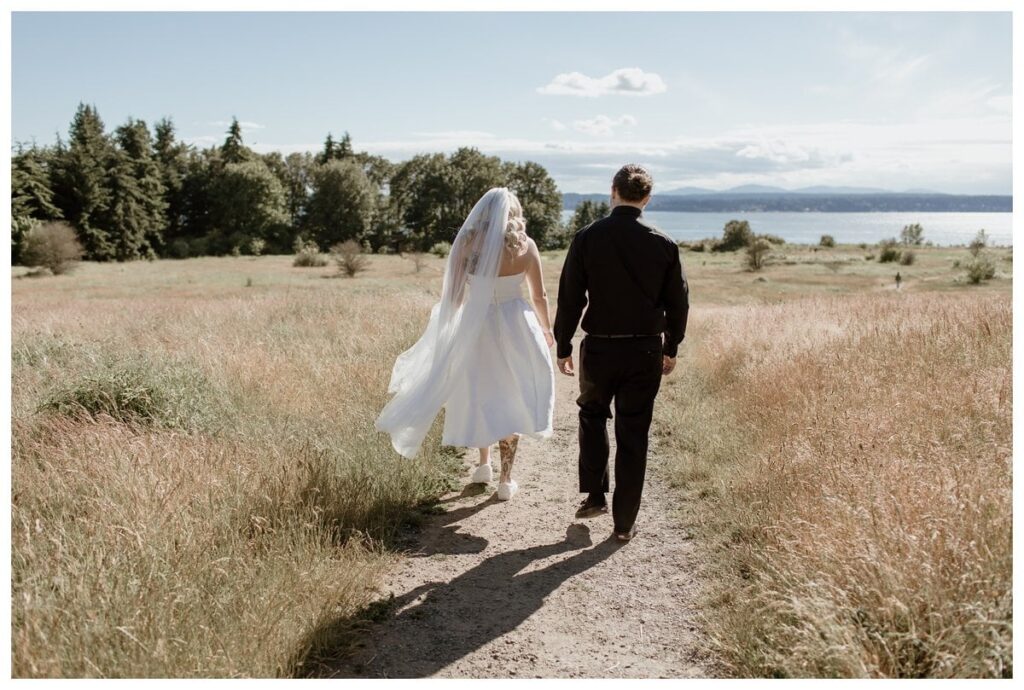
[821, 199]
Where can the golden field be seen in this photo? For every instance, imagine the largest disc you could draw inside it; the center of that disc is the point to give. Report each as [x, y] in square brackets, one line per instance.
[228, 506]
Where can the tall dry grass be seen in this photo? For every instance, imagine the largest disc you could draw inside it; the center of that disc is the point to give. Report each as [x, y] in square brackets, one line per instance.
[856, 454]
[197, 486]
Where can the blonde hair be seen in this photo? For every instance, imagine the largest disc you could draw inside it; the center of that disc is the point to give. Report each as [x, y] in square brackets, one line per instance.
[515, 231]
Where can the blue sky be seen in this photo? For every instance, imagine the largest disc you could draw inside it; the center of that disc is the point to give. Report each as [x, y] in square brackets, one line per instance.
[915, 100]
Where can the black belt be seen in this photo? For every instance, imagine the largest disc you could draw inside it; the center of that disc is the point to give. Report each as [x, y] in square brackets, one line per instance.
[631, 335]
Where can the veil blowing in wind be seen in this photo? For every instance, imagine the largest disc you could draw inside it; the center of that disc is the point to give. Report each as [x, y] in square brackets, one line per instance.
[425, 375]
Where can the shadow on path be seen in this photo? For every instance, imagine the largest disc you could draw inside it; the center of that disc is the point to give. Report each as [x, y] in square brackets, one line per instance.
[438, 623]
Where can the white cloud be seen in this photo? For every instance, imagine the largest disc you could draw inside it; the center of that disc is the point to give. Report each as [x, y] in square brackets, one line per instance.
[602, 125]
[245, 125]
[556, 125]
[963, 154]
[627, 81]
[455, 134]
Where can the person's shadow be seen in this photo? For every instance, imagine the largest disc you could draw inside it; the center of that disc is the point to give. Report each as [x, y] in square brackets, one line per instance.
[455, 618]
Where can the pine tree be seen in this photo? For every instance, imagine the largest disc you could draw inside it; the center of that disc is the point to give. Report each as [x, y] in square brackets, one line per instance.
[137, 205]
[329, 152]
[80, 181]
[172, 159]
[234, 149]
[31, 194]
[345, 147]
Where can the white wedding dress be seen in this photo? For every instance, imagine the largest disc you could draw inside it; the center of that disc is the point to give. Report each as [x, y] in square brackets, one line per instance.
[482, 355]
[507, 385]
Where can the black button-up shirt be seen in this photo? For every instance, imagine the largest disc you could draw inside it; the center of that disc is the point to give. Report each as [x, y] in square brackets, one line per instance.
[630, 274]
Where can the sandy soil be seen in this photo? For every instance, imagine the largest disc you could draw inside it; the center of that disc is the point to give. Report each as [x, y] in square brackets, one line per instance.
[493, 589]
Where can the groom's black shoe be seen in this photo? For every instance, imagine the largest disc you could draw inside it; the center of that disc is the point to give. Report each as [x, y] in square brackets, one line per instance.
[592, 507]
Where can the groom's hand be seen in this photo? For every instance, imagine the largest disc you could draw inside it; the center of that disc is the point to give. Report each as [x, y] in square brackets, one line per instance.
[565, 366]
[667, 365]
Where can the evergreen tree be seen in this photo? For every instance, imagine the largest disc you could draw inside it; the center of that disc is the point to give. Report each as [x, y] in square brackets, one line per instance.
[80, 181]
[234, 150]
[31, 194]
[329, 151]
[342, 204]
[335, 150]
[345, 146]
[586, 213]
[172, 160]
[136, 212]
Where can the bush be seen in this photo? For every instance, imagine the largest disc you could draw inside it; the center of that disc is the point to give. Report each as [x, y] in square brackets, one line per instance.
[349, 257]
[827, 241]
[887, 251]
[257, 245]
[139, 391]
[441, 249]
[696, 247]
[772, 239]
[980, 268]
[52, 245]
[307, 253]
[735, 235]
[178, 249]
[757, 253]
[907, 257]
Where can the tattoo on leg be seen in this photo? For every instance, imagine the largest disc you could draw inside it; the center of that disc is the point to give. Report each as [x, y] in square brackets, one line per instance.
[507, 447]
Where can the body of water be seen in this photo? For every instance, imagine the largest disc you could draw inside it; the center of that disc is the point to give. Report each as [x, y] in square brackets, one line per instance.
[846, 228]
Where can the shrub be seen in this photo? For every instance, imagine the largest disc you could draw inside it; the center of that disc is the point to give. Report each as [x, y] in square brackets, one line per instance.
[257, 245]
[441, 249]
[52, 245]
[907, 257]
[178, 249]
[140, 391]
[980, 268]
[887, 251]
[757, 253]
[307, 253]
[772, 239]
[349, 257]
[827, 241]
[735, 235]
[696, 247]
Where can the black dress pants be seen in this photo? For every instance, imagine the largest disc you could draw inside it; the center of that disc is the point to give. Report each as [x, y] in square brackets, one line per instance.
[625, 372]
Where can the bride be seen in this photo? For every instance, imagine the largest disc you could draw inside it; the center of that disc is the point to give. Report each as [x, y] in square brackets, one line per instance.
[483, 356]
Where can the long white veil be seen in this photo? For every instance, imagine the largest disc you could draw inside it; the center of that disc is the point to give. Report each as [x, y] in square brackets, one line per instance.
[424, 375]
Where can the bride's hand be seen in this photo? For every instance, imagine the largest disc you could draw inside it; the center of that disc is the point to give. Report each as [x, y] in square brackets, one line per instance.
[548, 338]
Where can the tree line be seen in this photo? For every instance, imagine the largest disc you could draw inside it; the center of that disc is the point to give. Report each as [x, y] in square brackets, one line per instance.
[135, 193]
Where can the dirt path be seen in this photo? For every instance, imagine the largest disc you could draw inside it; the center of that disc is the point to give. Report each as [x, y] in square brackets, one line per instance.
[522, 589]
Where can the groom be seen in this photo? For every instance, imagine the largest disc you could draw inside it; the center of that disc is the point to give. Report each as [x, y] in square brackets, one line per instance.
[631, 276]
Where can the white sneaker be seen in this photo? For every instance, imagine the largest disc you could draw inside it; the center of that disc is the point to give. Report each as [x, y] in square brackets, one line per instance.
[483, 475]
[506, 490]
